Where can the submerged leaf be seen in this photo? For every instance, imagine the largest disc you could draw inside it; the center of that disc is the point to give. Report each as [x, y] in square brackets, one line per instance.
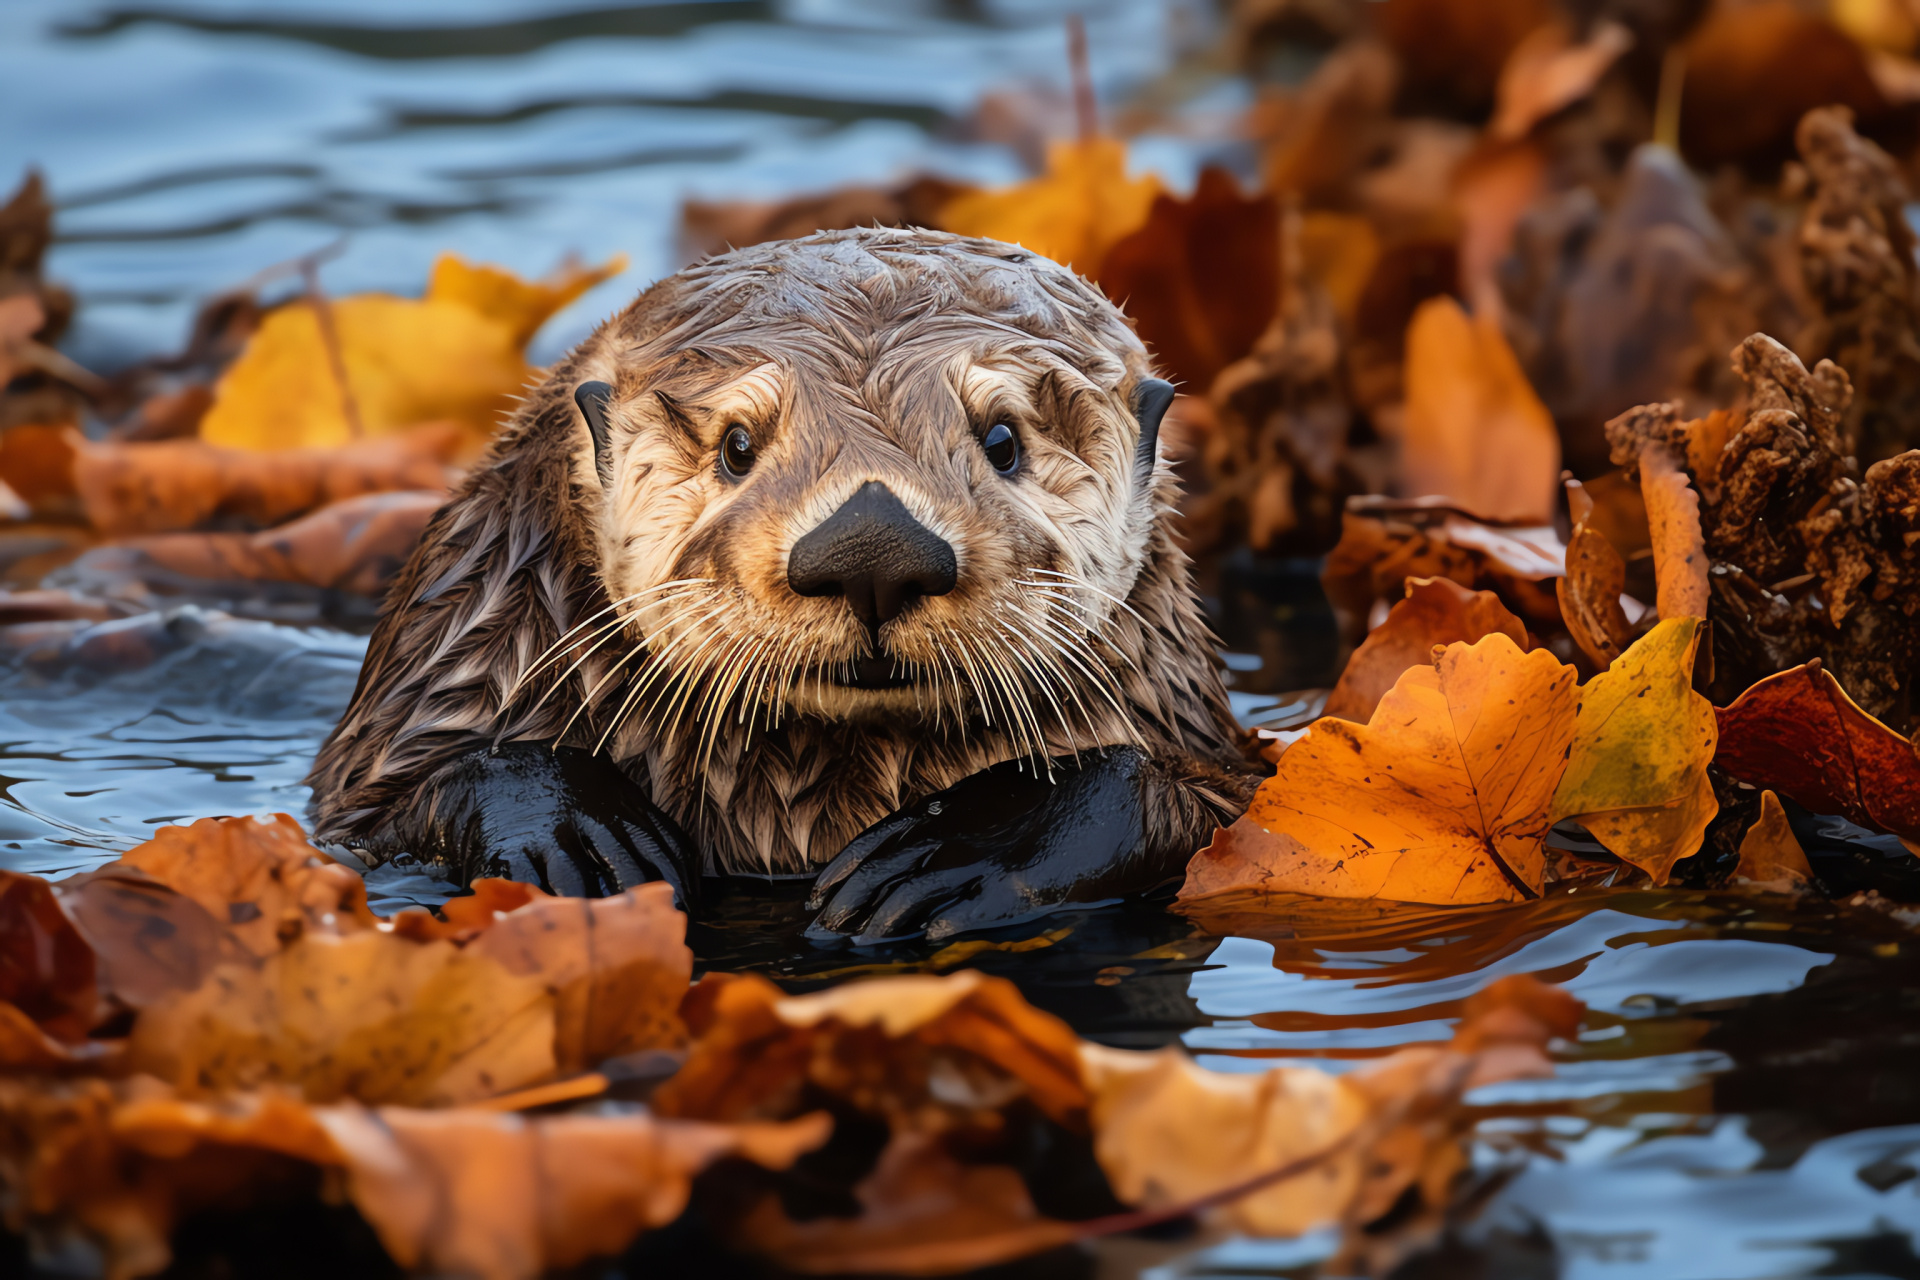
[1441, 797]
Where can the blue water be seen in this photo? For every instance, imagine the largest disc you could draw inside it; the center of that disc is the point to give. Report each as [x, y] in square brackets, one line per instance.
[1743, 1100]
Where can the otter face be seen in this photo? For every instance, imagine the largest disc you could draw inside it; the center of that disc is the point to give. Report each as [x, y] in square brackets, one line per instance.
[866, 476]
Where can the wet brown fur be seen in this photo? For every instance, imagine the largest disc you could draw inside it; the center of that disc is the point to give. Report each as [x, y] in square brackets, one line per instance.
[852, 356]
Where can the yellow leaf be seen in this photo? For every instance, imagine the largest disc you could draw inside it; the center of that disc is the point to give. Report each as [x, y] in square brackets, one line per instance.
[1636, 776]
[1441, 797]
[1475, 430]
[1770, 855]
[522, 305]
[455, 354]
[1073, 213]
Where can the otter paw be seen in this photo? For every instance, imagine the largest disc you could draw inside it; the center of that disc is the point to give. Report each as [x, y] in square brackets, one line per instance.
[566, 820]
[1003, 845]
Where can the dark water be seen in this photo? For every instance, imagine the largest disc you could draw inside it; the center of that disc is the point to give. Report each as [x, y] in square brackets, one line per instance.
[1744, 1100]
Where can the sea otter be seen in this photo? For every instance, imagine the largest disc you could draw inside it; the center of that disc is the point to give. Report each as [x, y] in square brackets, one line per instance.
[850, 555]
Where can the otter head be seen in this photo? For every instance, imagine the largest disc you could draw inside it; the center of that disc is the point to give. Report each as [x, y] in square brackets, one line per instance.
[867, 476]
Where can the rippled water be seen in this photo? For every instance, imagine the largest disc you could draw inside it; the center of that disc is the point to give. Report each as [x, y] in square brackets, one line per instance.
[1744, 1099]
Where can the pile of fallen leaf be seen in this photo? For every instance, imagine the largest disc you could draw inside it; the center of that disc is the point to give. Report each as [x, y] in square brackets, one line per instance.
[216, 1020]
[299, 447]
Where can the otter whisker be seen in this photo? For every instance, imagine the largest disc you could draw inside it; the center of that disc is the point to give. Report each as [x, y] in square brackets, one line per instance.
[660, 665]
[1082, 584]
[570, 634]
[610, 631]
[1075, 649]
[1043, 630]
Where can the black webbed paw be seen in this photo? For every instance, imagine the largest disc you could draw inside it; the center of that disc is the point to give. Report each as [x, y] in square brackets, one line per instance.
[566, 820]
[1000, 846]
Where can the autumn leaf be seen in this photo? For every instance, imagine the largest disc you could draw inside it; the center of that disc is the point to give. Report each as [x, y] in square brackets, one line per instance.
[1770, 855]
[1596, 580]
[616, 968]
[504, 1197]
[1549, 71]
[455, 354]
[1437, 611]
[1169, 1131]
[1753, 70]
[922, 1212]
[1441, 797]
[185, 484]
[1385, 541]
[752, 1044]
[1201, 277]
[1799, 733]
[260, 877]
[1073, 213]
[356, 545]
[1475, 430]
[1636, 773]
[448, 1192]
[366, 1016]
[49, 997]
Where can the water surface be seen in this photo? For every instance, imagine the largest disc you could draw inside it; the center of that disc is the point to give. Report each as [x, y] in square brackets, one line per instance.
[1743, 1100]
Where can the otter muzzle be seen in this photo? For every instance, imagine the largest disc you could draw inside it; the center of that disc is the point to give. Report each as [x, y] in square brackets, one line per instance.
[875, 554]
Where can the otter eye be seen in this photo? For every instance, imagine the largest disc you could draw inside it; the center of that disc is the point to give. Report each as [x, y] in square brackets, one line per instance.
[1002, 448]
[736, 452]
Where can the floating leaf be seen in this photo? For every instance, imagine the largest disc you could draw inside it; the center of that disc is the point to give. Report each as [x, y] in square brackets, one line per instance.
[1441, 797]
[456, 354]
[1636, 774]
[616, 967]
[259, 877]
[367, 1016]
[1799, 733]
[356, 545]
[1169, 1131]
[1437, 611]
[185, 484]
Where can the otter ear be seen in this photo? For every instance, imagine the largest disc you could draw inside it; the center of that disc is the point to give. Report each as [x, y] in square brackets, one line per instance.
[592, 398]
[1150, 401]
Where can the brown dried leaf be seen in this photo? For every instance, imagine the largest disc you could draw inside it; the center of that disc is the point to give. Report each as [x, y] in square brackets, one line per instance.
[1770, 856]
[616, 967]
[1384, 541]
[259, 877]
[184, 484]
[1436, 612]
[504, 1197]
[356, 544]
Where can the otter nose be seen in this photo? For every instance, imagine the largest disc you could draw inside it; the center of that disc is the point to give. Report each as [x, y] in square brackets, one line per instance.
[873, 552]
